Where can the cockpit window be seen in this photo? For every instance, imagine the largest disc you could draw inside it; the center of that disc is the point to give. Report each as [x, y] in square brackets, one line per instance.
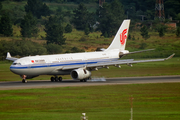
[16, 63]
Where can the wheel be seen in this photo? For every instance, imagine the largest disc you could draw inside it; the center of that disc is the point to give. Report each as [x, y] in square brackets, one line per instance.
[24, 81]
[56, 79]
[85, 80]
[52, 79]
[81, 80]
[60, 79]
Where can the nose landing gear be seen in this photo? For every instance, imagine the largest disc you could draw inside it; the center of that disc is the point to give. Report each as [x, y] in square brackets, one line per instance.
[24, 79]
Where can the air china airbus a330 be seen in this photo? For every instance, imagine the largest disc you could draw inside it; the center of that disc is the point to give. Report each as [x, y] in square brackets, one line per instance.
[78, 65]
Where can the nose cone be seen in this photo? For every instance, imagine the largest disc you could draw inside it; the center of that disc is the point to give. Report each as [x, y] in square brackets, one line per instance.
[14, 69]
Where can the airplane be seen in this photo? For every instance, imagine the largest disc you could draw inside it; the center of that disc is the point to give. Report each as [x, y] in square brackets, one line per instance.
[78, 65]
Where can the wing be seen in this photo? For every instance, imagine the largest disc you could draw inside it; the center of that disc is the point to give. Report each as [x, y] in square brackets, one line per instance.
[112, 63]
[10, 58]
[95, 64]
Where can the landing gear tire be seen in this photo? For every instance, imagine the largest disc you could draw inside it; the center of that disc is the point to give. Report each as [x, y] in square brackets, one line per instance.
[60, 79]
[24, 81]
[56, 79]
[52, 79]
[84, 80]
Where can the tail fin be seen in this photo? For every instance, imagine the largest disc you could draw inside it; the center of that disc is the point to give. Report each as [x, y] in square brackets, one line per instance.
[119, 41]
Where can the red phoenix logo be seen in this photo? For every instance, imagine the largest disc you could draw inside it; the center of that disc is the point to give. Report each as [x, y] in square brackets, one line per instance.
[123, 36]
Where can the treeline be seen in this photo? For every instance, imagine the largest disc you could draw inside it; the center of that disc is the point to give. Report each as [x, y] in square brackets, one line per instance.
[55, 22]
[106, 19]
[133, 8]
[62, 1]
[38, 13]
[27, 47]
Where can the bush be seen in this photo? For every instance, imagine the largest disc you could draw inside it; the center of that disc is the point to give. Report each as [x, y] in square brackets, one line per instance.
[82, 39]
[53, 48]
[75, 49]
[161, 29]
[21, 48]
[68, 28]
[144, 32]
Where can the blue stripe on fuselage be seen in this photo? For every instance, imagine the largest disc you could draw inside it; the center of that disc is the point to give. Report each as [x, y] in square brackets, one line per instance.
[58, 64]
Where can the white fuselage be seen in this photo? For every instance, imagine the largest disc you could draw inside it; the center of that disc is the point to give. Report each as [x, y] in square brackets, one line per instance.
[78, 65]
[52, 64]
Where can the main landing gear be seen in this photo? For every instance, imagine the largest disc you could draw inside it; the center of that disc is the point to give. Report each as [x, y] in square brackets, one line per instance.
[56, 79]
[84, 80]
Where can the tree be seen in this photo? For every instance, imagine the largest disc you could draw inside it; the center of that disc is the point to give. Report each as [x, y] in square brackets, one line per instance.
[37, 8]
[28, 26]
[172, 11]
[178, 32]
[82, 17]
[1, 6]
[144, 32]
[86, 30]
[68, 28]
[110, 18]
[45, 11]
[54, 31]
[161, 29]
[6, 25]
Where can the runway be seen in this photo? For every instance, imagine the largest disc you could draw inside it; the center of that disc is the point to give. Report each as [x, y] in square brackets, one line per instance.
[93, 82]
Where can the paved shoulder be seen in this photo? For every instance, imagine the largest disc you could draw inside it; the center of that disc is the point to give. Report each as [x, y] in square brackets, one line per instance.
[93, 82]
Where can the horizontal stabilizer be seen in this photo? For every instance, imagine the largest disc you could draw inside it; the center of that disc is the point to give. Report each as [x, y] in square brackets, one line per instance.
[170, 56]
[139, 51]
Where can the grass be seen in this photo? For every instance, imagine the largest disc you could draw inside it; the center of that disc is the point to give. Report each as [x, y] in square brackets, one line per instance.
[151, 101]
[169, 67]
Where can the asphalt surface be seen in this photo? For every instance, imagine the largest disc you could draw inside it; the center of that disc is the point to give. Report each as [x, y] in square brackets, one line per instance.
[93, 82]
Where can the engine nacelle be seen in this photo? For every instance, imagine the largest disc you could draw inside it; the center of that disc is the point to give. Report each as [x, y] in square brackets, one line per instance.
[80, 74]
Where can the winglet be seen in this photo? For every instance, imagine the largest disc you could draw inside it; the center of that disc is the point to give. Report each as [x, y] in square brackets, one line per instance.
[8, 57]
[169, 57]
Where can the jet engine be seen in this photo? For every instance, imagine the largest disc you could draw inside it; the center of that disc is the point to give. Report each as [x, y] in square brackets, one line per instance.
[80, 74]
